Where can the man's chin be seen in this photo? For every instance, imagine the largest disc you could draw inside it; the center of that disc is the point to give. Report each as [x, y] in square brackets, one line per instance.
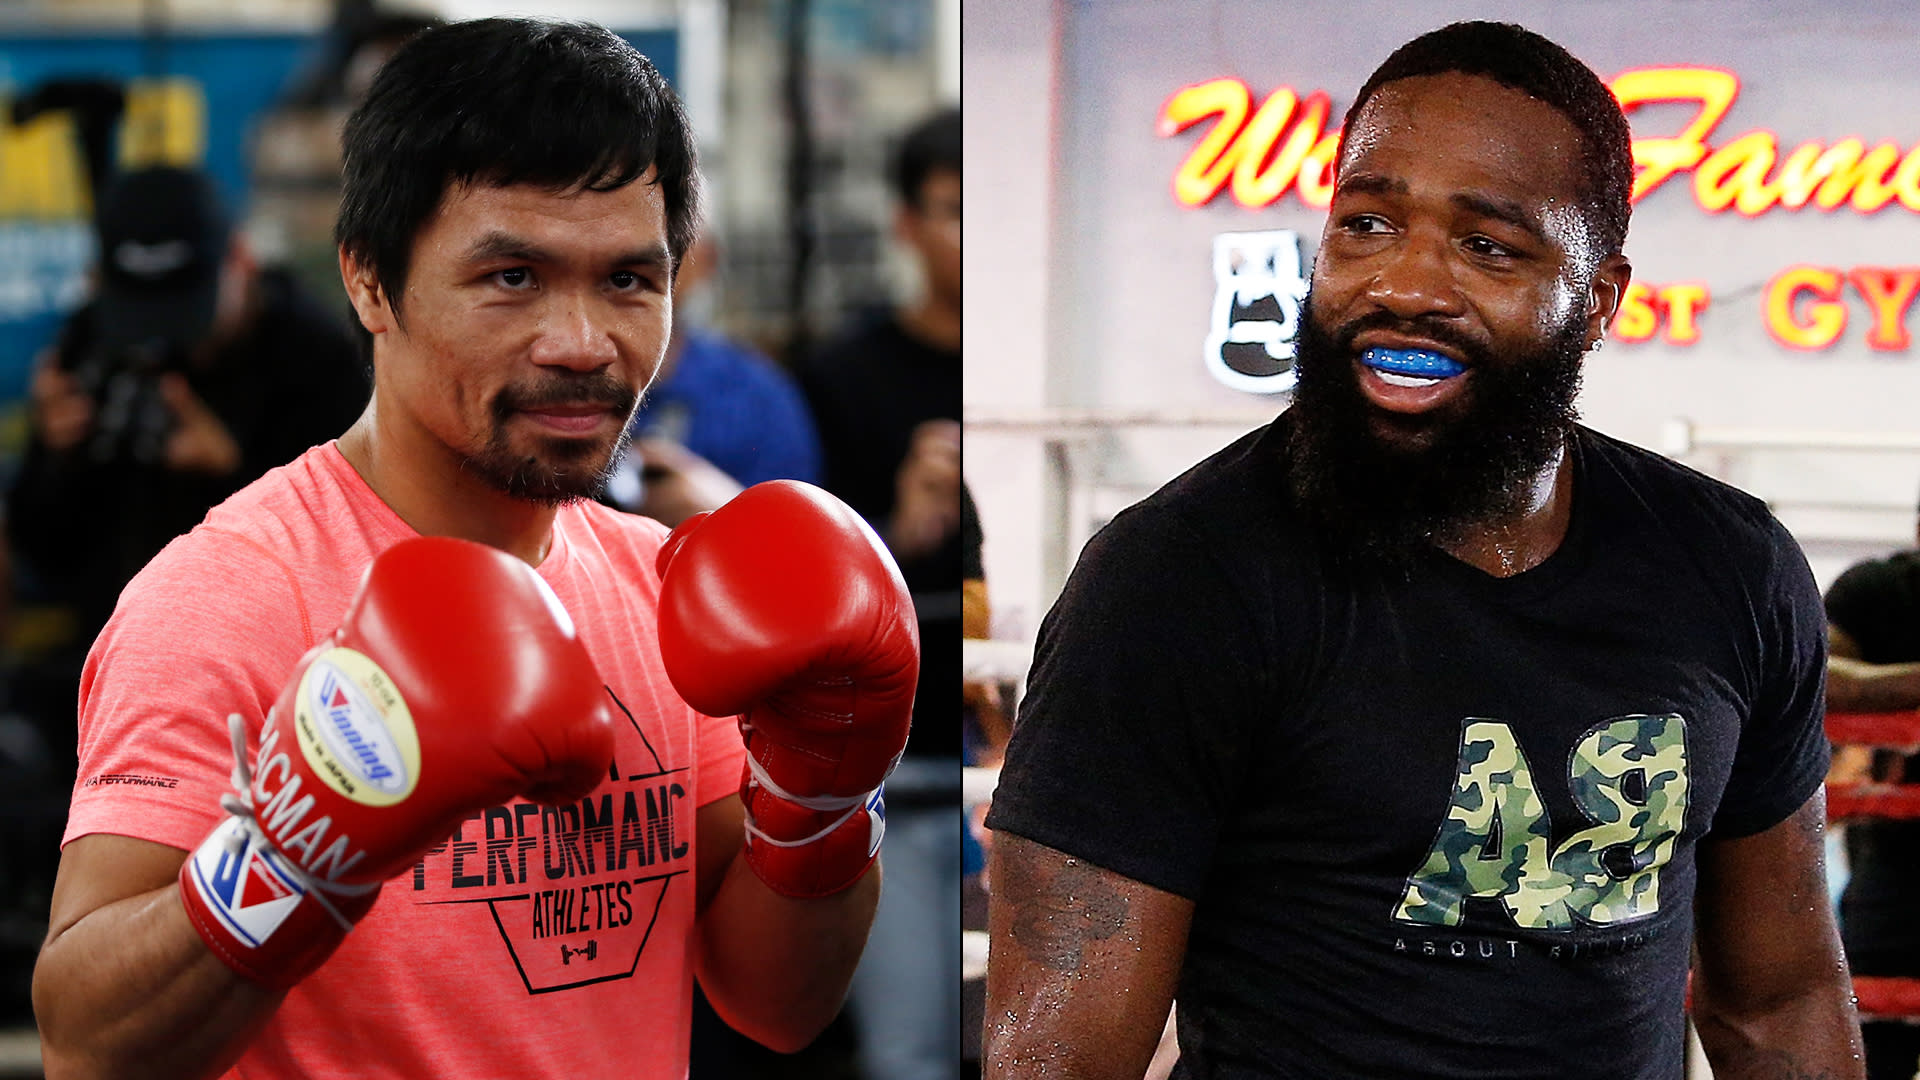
[1411, 436]
[551, 471]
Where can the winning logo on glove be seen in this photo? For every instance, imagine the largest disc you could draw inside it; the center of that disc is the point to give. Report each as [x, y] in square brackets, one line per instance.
[355, 729]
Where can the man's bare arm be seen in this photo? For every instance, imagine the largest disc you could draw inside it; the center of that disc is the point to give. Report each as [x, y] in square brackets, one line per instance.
[775, 967]
[1771, 994]
[125, 987]
[1853, 685]
[1082, 969]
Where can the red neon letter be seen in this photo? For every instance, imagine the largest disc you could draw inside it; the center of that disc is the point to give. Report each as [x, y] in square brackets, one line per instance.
[1684, 303]
[1657, 159]
[1205, 170]
[1636, 319]
[1890, 292]
[1864, 179]
[1736, 175]
[1827, 316]
[1257, 182]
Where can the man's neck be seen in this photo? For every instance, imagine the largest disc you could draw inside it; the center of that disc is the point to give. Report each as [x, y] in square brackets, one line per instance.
[424, 483]
[932, 322]
[1518, 543]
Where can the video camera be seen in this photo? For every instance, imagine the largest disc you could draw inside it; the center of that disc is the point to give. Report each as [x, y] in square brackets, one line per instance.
[163, 240]
[131, 420]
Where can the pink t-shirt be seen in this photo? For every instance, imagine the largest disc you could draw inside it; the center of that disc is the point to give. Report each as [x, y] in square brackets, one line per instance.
[537, 942]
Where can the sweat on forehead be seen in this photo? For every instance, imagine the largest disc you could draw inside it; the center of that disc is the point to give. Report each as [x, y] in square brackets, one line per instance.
[1515, 57]
[1507, 155]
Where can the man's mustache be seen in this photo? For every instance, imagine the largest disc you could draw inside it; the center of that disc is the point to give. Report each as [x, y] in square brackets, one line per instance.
[1434, 329]
[600, 389]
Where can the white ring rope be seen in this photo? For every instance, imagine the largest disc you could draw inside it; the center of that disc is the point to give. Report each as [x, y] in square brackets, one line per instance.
[852, 804]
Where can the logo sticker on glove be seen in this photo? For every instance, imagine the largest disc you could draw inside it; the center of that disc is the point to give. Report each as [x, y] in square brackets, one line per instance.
[244, 884]
[355, 729]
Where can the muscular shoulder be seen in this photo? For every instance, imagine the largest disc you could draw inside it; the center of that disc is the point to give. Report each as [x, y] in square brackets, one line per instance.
[1230, 506]
[213, 592]
[278, 558]
[1700, 512]
[1212, 561]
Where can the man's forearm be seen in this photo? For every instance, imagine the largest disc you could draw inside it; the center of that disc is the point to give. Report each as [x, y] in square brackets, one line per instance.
[777, 968]
[131, 990]
[1857, 686]
[1812, 1036]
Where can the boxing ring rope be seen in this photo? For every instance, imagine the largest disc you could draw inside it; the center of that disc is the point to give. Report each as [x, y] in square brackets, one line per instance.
[1681, 435]
[1880, 997]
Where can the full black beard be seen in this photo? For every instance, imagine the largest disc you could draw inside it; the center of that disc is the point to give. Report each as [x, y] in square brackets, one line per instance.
[1380, 486]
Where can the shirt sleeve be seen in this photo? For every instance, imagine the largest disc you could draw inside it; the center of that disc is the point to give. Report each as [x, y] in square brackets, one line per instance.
[211, 627]
[1783, 754]
[1128, 751]
[722, 755]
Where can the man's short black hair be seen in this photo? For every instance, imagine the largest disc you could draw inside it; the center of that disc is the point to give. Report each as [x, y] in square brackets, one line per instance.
[564, 105]
[932, 146]
[1516, 57]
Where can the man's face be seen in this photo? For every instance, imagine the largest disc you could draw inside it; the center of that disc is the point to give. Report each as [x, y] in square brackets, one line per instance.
[1454, 232]
[533, 320]
[932, 228]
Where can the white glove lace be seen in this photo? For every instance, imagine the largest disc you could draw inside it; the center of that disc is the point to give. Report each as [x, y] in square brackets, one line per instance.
[239, 803]
[852, 804]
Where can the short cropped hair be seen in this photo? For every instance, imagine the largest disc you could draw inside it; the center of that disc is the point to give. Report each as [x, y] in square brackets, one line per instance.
[1520, 59]
[933, 145]
[564, 105]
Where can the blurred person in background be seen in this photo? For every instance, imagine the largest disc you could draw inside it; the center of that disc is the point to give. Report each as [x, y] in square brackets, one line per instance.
[718, 417]
[986, 732]
[192, 371]
[1873, 665]
[987, 727]
[886, 400]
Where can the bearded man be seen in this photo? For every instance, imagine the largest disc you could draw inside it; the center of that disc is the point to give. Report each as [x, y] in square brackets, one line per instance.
[1426, 732]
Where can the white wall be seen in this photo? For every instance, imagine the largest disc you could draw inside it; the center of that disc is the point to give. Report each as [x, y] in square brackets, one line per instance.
[1008, 56]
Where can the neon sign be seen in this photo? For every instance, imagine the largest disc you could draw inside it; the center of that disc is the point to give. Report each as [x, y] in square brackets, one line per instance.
[1804, 309]
[1284, 144]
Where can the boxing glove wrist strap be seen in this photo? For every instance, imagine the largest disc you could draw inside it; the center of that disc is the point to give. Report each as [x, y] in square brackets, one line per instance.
[809, 802]
[250, 903]
[861, 801]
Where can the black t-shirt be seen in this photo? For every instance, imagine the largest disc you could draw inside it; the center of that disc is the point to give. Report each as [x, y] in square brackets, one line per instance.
[1877, 604]
[1434, 823]
[868, 391]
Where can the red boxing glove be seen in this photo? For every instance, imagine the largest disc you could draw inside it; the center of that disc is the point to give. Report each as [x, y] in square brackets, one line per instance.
[455, 682]
[784, 607]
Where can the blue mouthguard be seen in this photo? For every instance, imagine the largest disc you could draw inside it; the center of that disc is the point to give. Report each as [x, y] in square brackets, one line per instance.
[1412, 362]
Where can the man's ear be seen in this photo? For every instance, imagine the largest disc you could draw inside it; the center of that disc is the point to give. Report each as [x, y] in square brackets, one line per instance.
[364, 293]
[1609, 288]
